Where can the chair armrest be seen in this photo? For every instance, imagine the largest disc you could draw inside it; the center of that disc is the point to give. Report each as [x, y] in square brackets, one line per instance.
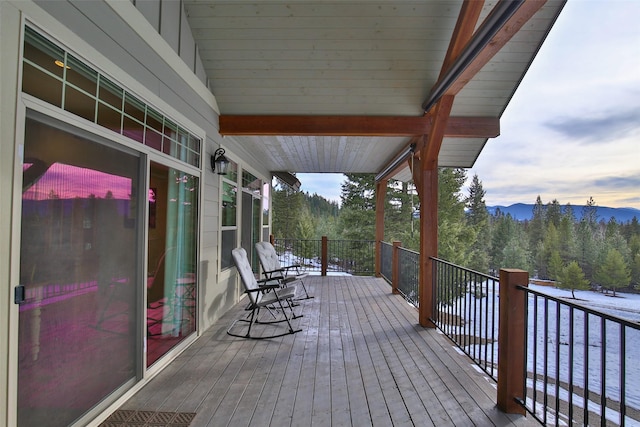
[264, 283]
[261, 288]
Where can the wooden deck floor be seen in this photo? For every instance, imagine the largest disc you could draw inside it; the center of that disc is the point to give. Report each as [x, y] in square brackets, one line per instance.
[360, 360]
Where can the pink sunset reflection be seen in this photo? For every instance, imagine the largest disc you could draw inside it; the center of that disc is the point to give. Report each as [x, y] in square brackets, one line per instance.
[68, 182]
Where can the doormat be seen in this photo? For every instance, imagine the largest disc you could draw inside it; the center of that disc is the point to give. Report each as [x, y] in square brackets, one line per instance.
[128, 418]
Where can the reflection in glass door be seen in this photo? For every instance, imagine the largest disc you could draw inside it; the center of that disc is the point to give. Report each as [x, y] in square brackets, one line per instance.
[79, 246]
[251, 225]
[172, 255]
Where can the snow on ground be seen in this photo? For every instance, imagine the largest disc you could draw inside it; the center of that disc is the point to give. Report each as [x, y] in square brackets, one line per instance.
[596, 345]
[623, 304]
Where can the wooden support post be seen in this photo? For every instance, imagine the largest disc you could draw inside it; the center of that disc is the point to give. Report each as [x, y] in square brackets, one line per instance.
[511, 340]
[395, 267]
[381, 192]
[428, 192]
[428, 245]
[324, 261]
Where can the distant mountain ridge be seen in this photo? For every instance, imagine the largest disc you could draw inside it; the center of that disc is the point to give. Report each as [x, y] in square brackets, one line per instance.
[523, 211]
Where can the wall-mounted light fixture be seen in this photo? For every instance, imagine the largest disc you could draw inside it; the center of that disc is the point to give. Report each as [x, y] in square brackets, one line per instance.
[219, 162]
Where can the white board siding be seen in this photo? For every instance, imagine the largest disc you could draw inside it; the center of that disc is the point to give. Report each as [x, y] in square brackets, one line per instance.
[151, 11]
[170, 23]
[169, 20]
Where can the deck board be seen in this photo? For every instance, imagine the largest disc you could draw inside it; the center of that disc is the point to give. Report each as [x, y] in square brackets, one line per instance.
[361, 359]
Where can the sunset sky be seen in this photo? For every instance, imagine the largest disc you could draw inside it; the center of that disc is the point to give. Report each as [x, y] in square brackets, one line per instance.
[572, 131]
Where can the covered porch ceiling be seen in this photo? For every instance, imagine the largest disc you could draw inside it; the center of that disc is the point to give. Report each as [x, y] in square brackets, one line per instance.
[346, 86]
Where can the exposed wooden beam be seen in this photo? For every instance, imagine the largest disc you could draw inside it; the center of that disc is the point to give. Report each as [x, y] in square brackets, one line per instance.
[440, 118]
[460, 127]
[508, 30]
[506, 19]
[463, 31]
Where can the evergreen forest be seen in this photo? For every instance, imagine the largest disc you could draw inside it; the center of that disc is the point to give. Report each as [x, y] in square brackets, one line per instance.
[553, 245]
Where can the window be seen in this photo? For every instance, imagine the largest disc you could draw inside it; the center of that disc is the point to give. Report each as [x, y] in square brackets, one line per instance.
[229, 215]
[59, 78]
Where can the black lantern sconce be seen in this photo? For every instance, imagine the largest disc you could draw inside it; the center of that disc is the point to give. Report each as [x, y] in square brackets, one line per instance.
[219, 162]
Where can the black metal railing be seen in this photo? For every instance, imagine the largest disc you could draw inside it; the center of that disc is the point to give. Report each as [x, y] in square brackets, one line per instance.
[409, 275]
[466, 310]
[583, 365]
[296, 251]
[386, 261]
[352, 256]
[579, 367]
[347, 256]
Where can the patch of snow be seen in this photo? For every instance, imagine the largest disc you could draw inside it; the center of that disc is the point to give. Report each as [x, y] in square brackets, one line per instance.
[601, 349]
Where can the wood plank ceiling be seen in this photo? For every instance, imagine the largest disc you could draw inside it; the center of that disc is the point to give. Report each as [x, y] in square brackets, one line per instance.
[339, 86]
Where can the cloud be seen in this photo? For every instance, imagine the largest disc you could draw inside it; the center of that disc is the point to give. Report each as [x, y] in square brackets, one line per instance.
[598, 129]
[327, 185]
[621, 182]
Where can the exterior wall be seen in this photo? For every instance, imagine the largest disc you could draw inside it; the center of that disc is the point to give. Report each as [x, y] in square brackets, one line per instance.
[123, 42]
[9, 46]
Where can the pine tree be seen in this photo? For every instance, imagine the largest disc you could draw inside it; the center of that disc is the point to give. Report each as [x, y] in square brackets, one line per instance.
[586, 248]
[478, 219]
[613, 273]
[632, 228]
[550, 246]
[634, 245]
[287, 207]
[476, 206]
[358, 213]
[573, 278]
[613, 239]
[555, 266]
[306, 232]
[590, 213]
[502, 229]
[567, 235]
[516, 254]
[454, 236]
[397, 211]
[536, 233]
[635, 270]
[553, 213]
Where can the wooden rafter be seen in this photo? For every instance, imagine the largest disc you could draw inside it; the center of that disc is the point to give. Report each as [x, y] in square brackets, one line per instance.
[513, 25]
[463, 31]
[460, 127]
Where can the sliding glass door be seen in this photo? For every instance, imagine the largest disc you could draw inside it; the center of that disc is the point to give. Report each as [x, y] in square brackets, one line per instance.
[172, 265]
[83, 322]
[79, 265]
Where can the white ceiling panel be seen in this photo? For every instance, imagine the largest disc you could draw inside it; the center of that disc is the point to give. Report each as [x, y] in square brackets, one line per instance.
[348, 58]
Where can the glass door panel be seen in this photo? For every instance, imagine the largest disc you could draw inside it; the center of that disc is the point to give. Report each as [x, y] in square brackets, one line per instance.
[251, 220]
[79, 246]
[172, 259]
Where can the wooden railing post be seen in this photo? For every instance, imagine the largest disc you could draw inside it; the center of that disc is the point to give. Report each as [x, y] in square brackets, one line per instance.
[324, 262]
[381, 192]
[395, 267]
[511, 340]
